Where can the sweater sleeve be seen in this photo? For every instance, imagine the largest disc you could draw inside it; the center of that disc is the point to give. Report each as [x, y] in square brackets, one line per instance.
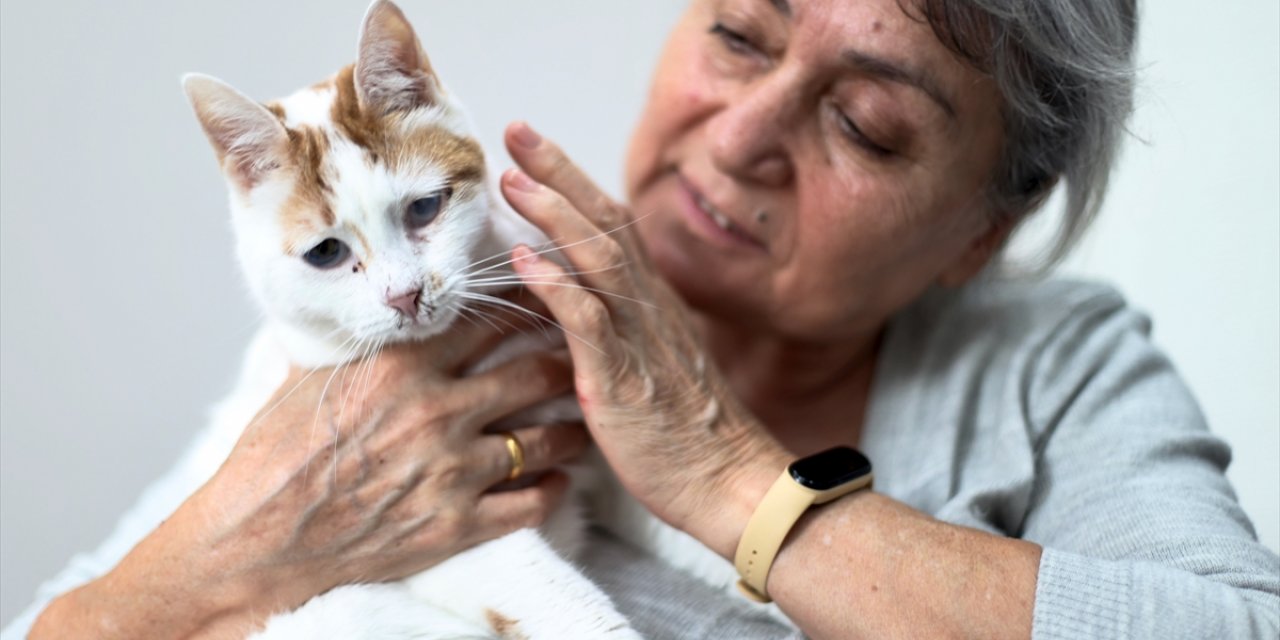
[1142, 534]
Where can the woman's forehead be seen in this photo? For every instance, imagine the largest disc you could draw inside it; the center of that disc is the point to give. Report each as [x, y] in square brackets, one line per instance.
[884, 39]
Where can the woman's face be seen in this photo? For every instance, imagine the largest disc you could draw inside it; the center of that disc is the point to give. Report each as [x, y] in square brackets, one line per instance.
[808, 167]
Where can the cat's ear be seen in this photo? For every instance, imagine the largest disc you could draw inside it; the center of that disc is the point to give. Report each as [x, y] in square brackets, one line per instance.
[249, 140]
[392, 71]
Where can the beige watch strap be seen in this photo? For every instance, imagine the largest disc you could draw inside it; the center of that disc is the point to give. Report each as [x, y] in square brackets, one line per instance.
[782, 505]
[768, 527]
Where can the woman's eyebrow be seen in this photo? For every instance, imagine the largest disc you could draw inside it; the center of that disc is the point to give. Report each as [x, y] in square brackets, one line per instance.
[887, 70]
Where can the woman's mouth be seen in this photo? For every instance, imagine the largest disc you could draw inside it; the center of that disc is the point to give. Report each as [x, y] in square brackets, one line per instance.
[712, 222]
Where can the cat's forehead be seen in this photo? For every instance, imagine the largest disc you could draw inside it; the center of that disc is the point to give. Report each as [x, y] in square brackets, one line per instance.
[438, 133]
[347, 162]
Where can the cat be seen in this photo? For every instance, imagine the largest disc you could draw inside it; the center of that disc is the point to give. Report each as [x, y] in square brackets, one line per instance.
[318, 178]
[380, 160]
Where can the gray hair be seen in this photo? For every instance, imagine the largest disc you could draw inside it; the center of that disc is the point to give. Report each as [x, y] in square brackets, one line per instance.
[1065, 70]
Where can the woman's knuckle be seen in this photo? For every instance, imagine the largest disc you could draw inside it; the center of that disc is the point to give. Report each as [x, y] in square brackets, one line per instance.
[611, 214]
[561, 166]
[450, 473]
[538, 445]
[591, 313]
[536, 515]
[611, 253]
[451, 525]
[436, 415]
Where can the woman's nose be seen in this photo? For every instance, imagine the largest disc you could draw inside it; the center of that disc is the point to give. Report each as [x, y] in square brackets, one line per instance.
[748, 136]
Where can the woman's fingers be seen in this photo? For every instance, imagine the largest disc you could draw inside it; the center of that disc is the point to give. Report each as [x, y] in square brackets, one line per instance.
[502, 512]
[599, 259]
[518, 384]
[545, 162]
[543, 448]
[585, 319]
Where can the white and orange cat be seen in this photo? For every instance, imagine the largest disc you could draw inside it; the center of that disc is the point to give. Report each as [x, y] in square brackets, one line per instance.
[380, 161]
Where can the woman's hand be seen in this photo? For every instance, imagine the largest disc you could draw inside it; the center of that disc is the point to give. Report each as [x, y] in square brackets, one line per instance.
[374, 476]
[657, 406]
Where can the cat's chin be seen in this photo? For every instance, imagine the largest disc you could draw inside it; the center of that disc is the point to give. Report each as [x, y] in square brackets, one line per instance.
[434, 326]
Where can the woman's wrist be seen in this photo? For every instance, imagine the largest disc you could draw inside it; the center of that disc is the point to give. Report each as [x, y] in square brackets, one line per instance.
[733, 495]
[121, 604]
[168, 586]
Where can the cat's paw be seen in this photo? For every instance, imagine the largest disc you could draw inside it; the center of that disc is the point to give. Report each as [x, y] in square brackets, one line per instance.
[370, 612]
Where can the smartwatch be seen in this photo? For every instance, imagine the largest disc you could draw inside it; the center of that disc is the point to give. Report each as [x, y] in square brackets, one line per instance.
[817, 479]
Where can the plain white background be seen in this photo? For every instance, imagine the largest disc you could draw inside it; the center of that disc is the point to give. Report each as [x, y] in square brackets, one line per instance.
[122, 317]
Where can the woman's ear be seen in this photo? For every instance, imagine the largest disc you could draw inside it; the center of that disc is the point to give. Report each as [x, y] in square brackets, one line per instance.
[979, 253]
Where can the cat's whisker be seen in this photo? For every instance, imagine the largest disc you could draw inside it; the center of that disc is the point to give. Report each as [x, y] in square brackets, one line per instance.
[310, 373]
[335, 429]
[542, 247]
[320, 403]
[363, 364]
[575, 286]
[496, 319]
[346, 397]
[514, 279]
[463, 312]
[511, 306]
[556, 246]
[368, 381]
[571, 272]
[485, 318]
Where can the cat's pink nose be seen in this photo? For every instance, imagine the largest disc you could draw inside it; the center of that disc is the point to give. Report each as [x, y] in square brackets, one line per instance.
[406, 303]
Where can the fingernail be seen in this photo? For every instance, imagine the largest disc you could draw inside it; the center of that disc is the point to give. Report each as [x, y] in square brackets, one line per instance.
[526, 136]
[520, 180]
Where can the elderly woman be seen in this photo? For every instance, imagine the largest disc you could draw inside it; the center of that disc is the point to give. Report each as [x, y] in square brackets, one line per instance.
[824, 185]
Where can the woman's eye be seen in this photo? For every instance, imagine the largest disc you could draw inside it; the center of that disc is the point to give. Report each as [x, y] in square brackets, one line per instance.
[736, 42]
[851, 130]
[329, 253]
[423, 210]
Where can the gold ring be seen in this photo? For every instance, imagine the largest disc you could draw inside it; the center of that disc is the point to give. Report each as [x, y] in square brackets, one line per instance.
[517, 456]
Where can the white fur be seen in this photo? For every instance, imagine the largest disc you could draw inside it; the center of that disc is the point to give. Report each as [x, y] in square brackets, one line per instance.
[308, 106]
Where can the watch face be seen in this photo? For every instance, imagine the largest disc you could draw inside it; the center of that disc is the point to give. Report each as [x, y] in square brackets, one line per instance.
[830, 469]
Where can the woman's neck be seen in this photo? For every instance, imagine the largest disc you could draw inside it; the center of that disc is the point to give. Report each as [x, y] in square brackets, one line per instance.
[811, 395]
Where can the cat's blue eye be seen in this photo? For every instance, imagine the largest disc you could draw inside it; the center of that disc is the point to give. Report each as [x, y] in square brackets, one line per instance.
[423, 210]
[328, 254]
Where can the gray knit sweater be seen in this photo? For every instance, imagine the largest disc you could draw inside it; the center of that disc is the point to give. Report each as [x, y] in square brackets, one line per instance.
[1040, 411]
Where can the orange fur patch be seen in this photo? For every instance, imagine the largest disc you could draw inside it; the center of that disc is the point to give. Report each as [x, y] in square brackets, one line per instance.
[276, 110]
[460, 157]
[308, 210]
[504, 626]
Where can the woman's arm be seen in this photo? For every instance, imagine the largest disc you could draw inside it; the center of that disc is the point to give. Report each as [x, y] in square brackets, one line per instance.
[161, 589]
[864, 566]
[294, 511]
[867, 566]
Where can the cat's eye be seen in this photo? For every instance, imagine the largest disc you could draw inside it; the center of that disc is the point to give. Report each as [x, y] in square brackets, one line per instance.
[423, 210]
[328, 254]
